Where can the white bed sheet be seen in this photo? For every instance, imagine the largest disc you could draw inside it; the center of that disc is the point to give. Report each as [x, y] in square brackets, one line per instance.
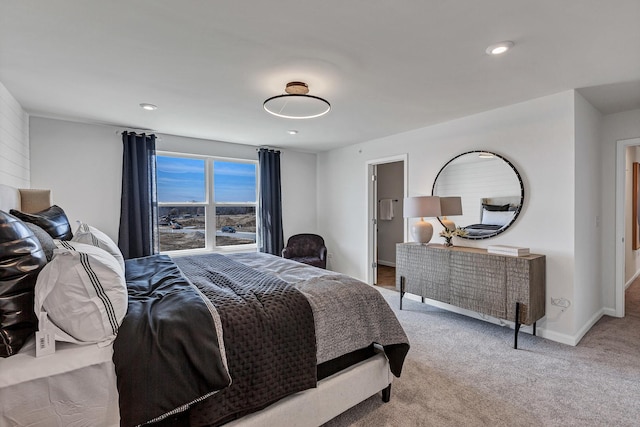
[75, 386]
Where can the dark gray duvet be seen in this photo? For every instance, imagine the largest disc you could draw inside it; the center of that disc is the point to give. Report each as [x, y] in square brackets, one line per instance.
[268, 322]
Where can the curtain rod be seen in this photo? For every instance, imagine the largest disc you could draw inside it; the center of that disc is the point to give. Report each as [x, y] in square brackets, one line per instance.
[136, 131]
[265, 147]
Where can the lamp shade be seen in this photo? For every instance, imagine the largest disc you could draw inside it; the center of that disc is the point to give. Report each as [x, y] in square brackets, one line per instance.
[419, 207]
[451, 206]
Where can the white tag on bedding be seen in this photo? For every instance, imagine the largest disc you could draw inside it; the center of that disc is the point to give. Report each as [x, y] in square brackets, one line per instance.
[45, 338]
[45, 343]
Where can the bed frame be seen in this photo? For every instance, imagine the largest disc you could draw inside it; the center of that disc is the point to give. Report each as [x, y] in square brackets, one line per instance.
[333, 395]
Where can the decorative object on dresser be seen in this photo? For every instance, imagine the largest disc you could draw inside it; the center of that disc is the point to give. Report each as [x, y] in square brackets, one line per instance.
[507, 250]
[450, 233]
[501, 286]
[491, 191]
[420, 207]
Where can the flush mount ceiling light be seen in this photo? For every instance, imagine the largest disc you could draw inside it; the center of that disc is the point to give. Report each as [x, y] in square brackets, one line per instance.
[499, 48]
[148, 107]
[296, 103]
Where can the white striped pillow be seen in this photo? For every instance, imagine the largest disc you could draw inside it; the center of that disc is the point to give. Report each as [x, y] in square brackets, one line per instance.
[92, 236]
[84, 293]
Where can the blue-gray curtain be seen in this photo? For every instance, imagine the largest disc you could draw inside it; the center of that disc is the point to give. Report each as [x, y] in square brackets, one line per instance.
[270, 232]
[138, 235]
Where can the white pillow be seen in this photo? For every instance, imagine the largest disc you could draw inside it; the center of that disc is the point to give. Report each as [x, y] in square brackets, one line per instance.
[497, 217]
[92, 236]
[83, 292]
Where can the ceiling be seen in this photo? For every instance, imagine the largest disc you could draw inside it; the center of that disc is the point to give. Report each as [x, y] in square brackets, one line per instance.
[385, 66]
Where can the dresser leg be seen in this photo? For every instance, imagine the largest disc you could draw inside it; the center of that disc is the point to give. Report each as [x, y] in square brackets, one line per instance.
[517, 329]
[401, 290]
[534, 329]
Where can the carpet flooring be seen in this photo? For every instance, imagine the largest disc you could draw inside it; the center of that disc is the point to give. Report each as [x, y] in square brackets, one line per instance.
[464, 372]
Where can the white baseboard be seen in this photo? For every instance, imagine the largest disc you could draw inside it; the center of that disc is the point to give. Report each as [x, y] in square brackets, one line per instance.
[630, 281]
[585, 328]
[473, 314]
[557, 337]
[571, 340]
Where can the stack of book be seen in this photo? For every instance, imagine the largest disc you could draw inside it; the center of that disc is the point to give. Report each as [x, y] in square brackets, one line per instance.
[508, 250]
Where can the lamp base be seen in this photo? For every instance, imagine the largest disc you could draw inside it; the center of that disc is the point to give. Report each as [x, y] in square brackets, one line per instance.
[422, 231]
[447, 223]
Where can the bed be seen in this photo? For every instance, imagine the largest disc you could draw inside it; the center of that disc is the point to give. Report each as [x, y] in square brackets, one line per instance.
[340, 366]
[496, 213]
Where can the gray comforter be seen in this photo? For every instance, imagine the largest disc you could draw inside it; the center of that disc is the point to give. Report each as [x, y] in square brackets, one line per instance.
[349, 314]
[344, 315]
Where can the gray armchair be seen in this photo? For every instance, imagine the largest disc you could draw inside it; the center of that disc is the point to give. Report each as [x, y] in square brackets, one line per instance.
[306, 248]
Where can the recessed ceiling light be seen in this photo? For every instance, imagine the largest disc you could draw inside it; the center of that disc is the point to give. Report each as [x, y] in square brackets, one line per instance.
[148, 107]
[499, 48]
[292, 132]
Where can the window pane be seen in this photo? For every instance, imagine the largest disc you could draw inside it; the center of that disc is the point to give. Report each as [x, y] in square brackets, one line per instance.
[180, 180]
[234, 182]
[236, 225]
[181, 227]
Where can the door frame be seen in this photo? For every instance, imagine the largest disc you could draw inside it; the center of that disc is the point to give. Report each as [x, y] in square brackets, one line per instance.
[372, 207]
[621, 148]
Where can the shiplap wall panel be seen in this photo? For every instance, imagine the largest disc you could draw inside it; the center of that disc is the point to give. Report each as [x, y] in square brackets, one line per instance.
[474, 181]
[14, 142]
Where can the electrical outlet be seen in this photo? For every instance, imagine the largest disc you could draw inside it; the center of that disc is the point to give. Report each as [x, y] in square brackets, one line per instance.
[561, 302]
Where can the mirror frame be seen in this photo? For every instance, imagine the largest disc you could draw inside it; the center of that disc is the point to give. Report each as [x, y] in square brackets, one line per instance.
[517, 211]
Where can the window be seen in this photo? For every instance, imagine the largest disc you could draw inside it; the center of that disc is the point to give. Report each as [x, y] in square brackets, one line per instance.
[205, 202]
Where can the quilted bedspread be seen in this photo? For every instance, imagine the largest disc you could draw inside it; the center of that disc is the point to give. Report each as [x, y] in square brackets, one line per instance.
[166, 357]
[268, 333]
[226, 335]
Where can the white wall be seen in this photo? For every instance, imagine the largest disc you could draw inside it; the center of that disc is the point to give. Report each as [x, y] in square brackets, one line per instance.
[14, 142]
[536, 136]
[615, 127]
[587, 297]
[82, 165]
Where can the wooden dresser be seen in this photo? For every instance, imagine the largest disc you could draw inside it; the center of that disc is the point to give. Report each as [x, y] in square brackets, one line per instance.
[502, 286]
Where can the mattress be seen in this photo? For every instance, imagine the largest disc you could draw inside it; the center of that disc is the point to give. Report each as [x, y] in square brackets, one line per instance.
[75, 386]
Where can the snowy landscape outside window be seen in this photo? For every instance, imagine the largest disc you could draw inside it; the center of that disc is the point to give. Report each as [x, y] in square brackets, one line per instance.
[205, 202]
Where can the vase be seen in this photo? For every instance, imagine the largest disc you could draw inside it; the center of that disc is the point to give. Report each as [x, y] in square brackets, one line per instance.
[447, 242]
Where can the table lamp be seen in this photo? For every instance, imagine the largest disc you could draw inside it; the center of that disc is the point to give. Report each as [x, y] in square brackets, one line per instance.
[450, 206]
[420, 207]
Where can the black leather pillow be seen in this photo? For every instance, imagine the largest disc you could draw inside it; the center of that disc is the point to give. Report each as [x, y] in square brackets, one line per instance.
[496, 208]
[21, 259]
[45, 240]
[53, 220]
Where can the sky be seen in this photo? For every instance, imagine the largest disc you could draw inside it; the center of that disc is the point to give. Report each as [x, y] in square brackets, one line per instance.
[183, 180]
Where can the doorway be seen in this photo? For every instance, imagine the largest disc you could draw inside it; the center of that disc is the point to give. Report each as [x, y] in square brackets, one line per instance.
[387, 179]
[623, 237]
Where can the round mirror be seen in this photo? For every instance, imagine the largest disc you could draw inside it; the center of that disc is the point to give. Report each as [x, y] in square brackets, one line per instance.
[490, 189]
